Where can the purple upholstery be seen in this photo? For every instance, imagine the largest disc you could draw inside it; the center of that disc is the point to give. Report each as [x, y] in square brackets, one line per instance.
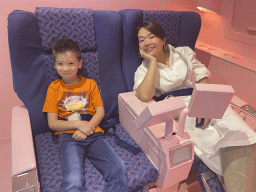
[99, 33]
[169, 20]
[140, 171]
[60, 23]
[182, 29]
[213, 184]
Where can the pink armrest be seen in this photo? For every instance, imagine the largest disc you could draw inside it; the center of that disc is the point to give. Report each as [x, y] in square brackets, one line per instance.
[159, 112]
[171, 154]
[23, 157]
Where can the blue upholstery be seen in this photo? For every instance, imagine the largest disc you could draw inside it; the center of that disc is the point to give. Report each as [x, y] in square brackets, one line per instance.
[169, 20]
[213, 184]
[32, 66]
[56, 23]
[30, 39]
[27, 61]
[138, 167]
[182, 29]
[110, 57]
[78, 24]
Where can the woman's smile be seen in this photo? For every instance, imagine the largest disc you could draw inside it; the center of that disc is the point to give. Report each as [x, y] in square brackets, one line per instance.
[149, 49]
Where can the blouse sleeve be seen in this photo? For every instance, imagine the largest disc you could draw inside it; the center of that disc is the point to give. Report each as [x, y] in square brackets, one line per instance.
[139, 75]
[199, 69]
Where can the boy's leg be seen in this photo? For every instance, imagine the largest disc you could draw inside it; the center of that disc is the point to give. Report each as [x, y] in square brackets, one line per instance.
[105, 159]
[72, 155]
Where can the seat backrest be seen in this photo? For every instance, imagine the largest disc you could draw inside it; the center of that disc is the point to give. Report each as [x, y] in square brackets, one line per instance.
[99, 33]
[182, 29]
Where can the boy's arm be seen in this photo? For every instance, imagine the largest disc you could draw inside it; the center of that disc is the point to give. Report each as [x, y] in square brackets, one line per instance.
[97, 117]
[60, 125]
[88, 127]
[78, 135]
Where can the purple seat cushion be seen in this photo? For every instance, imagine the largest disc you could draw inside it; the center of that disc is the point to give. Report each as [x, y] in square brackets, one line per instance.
[140, 171]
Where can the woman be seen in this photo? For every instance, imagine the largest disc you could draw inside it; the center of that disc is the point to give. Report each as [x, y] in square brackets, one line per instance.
[165, 69]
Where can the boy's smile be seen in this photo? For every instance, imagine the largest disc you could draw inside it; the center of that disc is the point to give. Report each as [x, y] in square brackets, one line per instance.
[67, 66]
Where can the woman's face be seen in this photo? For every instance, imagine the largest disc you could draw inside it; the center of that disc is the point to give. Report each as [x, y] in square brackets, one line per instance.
[150, 43]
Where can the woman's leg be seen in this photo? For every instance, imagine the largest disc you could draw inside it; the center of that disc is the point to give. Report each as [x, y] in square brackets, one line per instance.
[105, 159]
[239, 168]
[72, 155]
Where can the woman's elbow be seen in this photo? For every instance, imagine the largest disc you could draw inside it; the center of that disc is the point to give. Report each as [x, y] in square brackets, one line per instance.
[144, 98]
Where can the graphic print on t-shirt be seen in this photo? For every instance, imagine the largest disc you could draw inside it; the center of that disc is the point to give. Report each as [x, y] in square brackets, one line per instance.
[75, 101]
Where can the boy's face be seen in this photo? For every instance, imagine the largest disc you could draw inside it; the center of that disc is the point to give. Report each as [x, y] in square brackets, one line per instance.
[67, 66]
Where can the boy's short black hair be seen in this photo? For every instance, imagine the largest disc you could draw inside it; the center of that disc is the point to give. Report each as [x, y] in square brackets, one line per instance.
[63, 45]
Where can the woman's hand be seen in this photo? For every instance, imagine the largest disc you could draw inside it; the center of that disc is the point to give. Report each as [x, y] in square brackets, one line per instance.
[146, 90]
[147, 57]
[206, 122]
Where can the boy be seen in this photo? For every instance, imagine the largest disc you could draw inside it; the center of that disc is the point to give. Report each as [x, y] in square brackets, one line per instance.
[74, 110]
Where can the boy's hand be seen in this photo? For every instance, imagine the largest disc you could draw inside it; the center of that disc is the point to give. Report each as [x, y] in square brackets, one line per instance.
[85, 127]
[78, 135]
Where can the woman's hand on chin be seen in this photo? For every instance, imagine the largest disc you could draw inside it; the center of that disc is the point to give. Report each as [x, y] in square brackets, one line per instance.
[146, 56]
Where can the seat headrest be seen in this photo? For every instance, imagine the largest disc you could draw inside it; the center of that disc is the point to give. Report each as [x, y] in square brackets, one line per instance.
[169, 20]
[60, 23]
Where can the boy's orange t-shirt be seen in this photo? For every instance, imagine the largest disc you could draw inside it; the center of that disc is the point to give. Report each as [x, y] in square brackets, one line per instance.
[63, 99]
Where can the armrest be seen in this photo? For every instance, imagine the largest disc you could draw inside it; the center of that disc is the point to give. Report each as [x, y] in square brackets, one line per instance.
[170, 154]
[133, 102]
[159, 112]
[148, 114]
[23, 156]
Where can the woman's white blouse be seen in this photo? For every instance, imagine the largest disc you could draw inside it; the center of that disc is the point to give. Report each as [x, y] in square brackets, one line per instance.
[172, 77]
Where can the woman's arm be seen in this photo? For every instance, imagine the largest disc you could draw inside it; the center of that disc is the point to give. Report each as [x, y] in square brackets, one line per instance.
[205, 80]
[146, 89]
